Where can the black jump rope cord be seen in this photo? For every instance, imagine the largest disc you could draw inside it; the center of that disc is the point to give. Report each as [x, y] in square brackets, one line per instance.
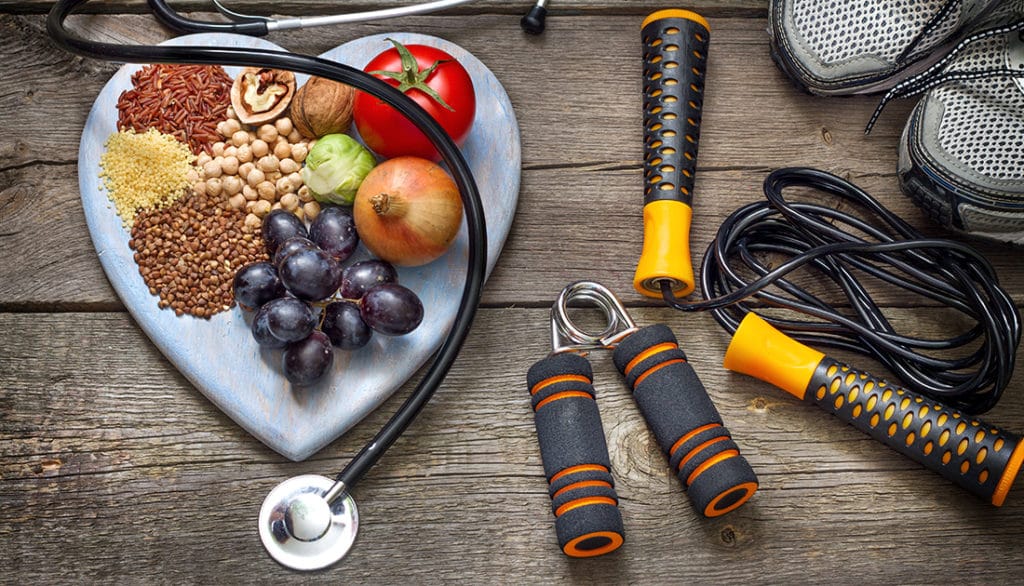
[968, 370]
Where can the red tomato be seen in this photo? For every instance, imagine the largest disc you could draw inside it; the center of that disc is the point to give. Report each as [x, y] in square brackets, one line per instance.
[390, 134]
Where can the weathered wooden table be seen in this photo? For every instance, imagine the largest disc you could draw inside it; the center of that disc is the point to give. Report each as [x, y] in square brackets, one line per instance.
[115, 468]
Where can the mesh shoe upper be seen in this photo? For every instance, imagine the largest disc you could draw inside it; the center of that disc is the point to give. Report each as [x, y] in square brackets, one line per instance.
[854, 46]
[965, 138]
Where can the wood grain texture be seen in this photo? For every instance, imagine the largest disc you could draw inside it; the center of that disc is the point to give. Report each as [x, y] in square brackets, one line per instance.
[114, 468]
[582, 149]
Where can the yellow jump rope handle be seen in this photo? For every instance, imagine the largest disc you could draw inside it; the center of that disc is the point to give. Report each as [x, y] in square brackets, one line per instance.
[675, 50]
[969, 452]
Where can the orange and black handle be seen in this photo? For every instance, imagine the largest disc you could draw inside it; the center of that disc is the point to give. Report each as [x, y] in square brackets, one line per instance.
[675, 50]
[575, 455]
[969, 452]
[685, 423]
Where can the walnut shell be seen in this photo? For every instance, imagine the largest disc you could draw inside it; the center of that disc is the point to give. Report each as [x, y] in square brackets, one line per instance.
[322, 107]
[261, 95]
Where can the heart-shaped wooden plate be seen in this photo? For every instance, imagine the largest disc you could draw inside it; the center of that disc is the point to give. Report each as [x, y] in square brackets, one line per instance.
[219, 355]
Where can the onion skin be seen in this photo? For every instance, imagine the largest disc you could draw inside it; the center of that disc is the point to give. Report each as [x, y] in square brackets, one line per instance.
[407, 211]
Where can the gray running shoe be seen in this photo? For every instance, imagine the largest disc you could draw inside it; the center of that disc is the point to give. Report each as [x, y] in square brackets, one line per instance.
[840, 47]
[962, 152]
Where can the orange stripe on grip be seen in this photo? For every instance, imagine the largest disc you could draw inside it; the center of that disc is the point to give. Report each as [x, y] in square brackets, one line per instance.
[583, 484]
[583, 502]
[699, 449]
[562, 395]
[579, 378]
[580, 468]
[689, 436]
[657, 348]
[1009, 474]
[655, 369]
[711, 462]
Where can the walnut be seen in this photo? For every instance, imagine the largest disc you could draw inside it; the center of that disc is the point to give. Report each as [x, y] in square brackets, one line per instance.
[322, 107]
[261, 95]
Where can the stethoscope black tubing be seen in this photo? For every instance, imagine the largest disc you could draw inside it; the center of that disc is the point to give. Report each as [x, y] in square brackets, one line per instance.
[463, 176]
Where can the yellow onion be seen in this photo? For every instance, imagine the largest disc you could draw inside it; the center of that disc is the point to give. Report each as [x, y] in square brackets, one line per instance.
[407, 211]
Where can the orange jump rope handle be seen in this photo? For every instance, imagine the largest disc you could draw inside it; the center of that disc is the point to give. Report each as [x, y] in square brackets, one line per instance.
[969, 452]
[575, 456]
[684, 421]
[675, 50]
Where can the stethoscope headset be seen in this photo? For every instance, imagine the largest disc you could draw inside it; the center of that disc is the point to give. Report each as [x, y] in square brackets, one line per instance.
[310, 521]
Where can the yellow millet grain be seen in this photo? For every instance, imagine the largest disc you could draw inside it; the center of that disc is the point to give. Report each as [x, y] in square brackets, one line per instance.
[144, 171]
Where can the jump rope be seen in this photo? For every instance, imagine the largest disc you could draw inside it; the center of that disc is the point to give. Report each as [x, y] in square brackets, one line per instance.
[759, 259]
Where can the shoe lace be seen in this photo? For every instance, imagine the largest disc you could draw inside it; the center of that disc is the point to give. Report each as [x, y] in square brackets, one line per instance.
[929, 27]
[938, 75]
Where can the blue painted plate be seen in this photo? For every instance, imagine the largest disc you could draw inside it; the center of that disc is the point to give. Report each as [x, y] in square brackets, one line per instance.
[219, 355]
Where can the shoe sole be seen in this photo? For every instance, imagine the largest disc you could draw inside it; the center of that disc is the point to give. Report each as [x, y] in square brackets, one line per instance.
[943, 202]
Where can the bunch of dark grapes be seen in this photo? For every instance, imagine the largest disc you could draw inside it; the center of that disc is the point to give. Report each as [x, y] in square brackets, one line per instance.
[307, 304]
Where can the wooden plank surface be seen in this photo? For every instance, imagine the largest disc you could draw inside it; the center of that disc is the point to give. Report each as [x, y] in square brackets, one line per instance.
[114, 469]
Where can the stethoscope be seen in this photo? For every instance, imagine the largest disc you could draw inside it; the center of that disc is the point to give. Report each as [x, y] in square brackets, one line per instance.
[310, 521]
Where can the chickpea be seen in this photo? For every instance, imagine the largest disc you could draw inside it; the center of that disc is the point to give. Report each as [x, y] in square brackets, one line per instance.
[222, 128]
[236, 201]
[231, 151]
[290, 201]
[213, 186]
[304, 194]
[294, 136]
[239, 138]
[199, 188]
[267, 133]
[260, 148]
[268, 164]
[203, 158]
[232, 124]
[230, 113]
[193, 176]
[274, 176]
[218, 149]
[301, 214]
[252, 137]
[229, 166]
[255, 177]
[284, 125]
[262, 208]
[288, 166]
[285, 186]
[245, 168]
[244, 153]
[212, 168]
[249, 193]
[253, 221]
[299, 152]
[282, 150]
[276, 205]
[267, 191]
[311, 209]
[232, 184]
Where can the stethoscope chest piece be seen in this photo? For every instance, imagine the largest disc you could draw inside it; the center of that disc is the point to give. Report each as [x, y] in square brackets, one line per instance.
[306, 524]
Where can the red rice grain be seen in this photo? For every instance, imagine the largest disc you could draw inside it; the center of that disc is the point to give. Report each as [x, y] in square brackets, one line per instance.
[185, 101]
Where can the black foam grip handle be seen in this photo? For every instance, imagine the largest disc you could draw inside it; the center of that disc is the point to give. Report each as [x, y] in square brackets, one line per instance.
[684, 421]
[575, 456]
[675, 49]
[977, 456]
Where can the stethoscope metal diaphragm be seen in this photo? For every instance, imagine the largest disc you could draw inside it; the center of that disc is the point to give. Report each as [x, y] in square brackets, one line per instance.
[307, 523]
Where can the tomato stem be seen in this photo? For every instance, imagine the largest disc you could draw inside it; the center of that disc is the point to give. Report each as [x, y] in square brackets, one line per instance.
[411, 76]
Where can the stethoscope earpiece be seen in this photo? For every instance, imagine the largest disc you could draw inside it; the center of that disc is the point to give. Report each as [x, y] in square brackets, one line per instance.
[308, 522]
[533, 22]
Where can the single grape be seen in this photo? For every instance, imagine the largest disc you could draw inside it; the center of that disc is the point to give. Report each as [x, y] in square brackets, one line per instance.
[289, 319]
[334, 230]
[278, 226]
[391, 309]
[290, 246]
[261, 330]
[344, 326]
[255, 284]
[358, 278]
[310, 274]
[306, 361]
